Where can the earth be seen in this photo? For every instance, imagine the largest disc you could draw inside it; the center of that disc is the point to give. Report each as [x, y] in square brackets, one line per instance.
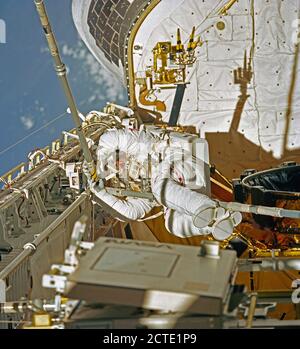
[32, 103]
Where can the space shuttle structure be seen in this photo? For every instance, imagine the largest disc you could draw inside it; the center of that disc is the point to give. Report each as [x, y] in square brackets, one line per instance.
[248, 111]
[215, 79]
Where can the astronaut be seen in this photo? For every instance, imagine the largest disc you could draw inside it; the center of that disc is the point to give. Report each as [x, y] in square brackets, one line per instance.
[187, 210]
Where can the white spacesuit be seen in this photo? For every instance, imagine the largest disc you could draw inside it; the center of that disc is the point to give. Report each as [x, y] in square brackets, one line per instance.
[173, 175]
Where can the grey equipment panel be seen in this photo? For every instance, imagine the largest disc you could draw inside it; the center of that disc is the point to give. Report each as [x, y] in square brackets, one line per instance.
[154, 276]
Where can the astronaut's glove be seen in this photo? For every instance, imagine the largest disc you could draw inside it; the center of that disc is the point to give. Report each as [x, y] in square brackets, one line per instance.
[94, 186]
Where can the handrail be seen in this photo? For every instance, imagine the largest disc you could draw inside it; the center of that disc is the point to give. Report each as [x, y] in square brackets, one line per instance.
[42, 237]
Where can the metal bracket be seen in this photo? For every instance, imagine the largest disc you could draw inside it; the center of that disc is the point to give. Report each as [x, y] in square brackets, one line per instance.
[261, 310]
[57, 282]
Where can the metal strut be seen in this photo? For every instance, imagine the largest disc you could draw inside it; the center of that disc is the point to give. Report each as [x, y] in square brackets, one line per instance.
[261, 210]
[62, 74]
[180, 89]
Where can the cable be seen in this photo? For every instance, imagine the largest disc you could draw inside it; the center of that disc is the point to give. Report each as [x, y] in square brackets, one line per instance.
[31, 134]
[19, 211]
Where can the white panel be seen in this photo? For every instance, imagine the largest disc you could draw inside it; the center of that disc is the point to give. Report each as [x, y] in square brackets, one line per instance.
[273, 79]
[271, 123]
[241, 7]
[274, 28]
[273, 144]
[293, 142]
[216, 76]
[208, 121]
[200, 9]
[208, 29]
[248, 124]
[263, 119]
[295, 121]
[242, 27]
[222, 51]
